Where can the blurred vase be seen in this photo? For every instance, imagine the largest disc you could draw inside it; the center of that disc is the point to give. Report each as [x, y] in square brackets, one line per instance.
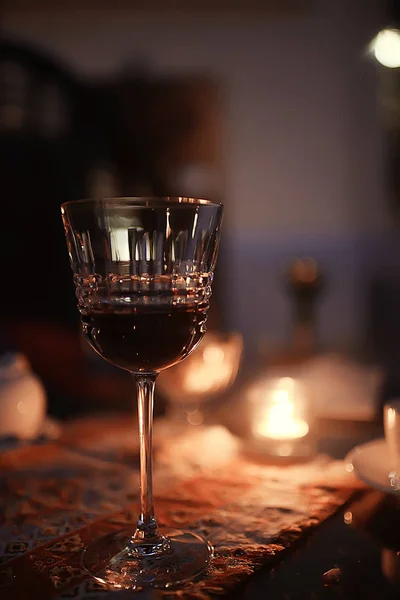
[22, 398]
[304, 283]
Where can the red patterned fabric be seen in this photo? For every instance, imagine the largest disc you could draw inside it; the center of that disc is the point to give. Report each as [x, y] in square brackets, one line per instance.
[53, 502]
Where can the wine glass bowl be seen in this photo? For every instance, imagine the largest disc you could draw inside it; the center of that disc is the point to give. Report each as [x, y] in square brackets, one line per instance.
[143, 269]
[124, 335]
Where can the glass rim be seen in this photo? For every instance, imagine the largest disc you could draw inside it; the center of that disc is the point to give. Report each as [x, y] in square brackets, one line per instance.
[145, 201]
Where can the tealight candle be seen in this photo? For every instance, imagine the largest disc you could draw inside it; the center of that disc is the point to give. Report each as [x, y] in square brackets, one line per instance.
[280, 416]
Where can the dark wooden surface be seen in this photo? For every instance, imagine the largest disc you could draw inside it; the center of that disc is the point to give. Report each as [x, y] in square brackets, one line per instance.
[361, 544]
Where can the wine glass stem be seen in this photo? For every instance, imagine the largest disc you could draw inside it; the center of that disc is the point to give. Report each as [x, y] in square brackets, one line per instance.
[147, 529]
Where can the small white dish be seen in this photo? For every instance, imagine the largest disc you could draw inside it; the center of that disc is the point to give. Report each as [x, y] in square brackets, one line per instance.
[371, 463]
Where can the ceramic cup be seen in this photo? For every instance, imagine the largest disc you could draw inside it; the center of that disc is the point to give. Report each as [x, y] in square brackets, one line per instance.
[392, 436]
[22, 398]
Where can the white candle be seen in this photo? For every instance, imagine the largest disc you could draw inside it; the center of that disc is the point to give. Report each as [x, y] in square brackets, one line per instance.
[279, 416]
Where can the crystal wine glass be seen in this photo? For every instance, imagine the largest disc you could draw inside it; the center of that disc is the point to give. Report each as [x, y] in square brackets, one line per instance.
[143, 269]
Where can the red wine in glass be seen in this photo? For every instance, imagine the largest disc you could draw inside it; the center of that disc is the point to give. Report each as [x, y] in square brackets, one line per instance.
[143, 339]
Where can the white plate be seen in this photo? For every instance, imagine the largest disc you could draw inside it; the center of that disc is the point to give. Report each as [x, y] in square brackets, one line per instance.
[371, 464]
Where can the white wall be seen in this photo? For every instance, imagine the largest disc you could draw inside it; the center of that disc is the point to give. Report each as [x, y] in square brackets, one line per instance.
[302, 144]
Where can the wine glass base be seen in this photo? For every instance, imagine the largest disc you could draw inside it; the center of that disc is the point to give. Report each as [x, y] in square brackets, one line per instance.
[111, 561]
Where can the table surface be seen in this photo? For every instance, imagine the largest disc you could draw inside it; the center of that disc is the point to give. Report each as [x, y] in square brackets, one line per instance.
[357, 556]
[363, 557]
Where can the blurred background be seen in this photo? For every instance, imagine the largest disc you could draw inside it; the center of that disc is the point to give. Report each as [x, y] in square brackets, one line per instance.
[286, 111]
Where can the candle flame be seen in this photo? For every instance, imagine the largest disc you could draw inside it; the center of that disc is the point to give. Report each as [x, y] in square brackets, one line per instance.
[279, 422]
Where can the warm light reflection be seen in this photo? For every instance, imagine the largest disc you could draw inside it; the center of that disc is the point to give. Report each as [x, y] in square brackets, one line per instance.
[348, 517]
[386, 48]
[208, 371]
[213, 353]
[195, 417]
[278, 418]
[120, 244]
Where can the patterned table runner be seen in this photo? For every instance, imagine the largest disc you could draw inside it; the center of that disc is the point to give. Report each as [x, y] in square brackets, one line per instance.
[53, 502]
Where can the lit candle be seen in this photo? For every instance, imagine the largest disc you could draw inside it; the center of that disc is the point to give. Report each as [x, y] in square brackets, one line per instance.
[279, 421]
[280, 418]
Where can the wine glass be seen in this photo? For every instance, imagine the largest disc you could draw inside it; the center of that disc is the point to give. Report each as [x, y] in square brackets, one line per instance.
[143, 269]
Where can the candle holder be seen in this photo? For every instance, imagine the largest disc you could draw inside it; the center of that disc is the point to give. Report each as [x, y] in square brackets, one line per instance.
[204, 376]
[281, 420]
